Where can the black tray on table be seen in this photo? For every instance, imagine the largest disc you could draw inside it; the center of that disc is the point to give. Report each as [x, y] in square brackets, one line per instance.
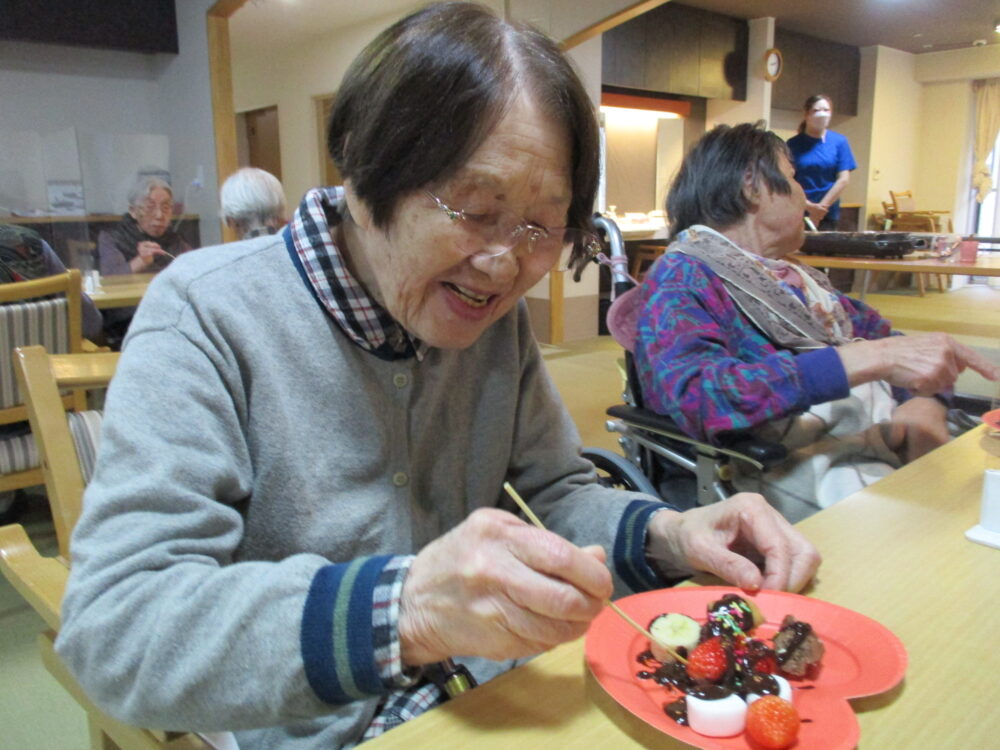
[862, 244]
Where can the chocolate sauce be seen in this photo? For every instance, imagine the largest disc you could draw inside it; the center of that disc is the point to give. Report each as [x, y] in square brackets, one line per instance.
[673, 673]
[677, 711]
[647, 659]
[760, 684]
[710, 692]
[800, 631]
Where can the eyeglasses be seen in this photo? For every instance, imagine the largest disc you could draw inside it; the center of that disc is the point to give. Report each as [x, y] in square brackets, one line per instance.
[152, 209]
[497, 232]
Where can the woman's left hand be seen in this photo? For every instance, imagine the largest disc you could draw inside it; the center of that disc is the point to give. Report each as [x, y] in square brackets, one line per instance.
[918, 426]
[742, 540]
[816, 211]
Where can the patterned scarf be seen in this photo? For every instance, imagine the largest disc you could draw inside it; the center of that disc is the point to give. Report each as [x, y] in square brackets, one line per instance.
[127, 235]
[763, 290]
[365, 321]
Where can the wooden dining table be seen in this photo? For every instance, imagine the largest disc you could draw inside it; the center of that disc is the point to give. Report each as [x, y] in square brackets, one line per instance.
[125, 290]
[895, 552]
[986, 264]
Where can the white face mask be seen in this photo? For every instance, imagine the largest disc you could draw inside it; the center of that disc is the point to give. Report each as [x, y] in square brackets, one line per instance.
[819, 121]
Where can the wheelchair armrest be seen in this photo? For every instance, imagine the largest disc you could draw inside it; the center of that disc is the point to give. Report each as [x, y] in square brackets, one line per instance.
[768, 453]
[762, 451]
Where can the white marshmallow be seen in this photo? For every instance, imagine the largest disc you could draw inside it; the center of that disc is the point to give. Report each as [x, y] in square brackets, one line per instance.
[725, 717]
[784, 690]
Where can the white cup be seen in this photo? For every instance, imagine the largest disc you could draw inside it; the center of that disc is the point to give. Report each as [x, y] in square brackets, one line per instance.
[91, 281]
[989, 513]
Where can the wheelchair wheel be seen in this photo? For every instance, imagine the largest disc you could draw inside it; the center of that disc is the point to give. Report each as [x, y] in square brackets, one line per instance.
[618, 472]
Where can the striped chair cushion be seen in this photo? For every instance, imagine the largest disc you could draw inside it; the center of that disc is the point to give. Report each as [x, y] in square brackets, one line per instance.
[45, 322]
[20, 453]
[86, 429]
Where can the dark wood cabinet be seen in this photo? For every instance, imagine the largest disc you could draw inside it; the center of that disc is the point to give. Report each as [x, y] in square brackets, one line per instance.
[816, 66]
[674, 49]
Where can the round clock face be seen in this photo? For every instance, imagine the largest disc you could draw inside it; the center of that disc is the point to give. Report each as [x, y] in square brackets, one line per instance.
[772, 64]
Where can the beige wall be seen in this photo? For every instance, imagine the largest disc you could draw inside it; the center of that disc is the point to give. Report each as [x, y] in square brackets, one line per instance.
[944, 147]
[947, 127]
[895, 126]
[631, 161]
[290, 80]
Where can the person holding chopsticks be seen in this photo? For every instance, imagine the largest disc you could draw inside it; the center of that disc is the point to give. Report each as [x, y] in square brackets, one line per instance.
[283, 541]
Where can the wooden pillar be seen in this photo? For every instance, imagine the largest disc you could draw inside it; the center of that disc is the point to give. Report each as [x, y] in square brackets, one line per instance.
[221, 76]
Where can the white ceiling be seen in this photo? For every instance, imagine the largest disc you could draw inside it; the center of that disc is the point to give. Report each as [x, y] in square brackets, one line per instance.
[263, 26]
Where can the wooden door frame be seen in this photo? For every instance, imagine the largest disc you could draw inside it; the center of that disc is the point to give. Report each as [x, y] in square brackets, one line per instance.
[220, 72]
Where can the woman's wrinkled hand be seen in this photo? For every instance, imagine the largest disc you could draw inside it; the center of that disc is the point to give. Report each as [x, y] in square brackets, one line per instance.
[917, 427]
[146, 254]
[924, 364]
[742, 540]
[816, 212]
[498, 588]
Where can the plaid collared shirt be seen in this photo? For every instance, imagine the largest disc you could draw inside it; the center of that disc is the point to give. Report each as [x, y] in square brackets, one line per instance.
[364, 320]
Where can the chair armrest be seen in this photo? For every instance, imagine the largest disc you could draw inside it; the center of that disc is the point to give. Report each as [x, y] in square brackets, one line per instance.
[738, 445]
[90, 347]
[40, 580]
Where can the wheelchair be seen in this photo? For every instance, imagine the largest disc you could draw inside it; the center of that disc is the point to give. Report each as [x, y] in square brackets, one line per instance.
[657, 457]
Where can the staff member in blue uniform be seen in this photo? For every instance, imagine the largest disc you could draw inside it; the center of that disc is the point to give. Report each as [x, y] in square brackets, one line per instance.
[823, 162]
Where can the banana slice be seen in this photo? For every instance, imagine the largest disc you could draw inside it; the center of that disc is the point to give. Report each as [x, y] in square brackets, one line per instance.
[675, 630]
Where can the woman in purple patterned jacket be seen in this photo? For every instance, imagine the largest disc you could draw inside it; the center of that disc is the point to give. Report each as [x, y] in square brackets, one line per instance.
[735, 335]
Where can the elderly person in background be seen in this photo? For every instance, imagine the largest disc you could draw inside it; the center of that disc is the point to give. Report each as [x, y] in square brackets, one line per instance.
[735, 335]
[292, 539]
[143, 242]
[253, 203]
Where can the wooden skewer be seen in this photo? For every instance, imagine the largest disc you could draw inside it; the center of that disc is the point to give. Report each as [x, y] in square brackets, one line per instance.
[618, 610]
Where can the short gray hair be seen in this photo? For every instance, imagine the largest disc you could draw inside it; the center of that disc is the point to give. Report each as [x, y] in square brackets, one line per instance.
[143, 187]
[251, 198]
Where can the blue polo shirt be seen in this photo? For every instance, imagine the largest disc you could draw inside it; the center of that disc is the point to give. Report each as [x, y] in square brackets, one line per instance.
[817, 163]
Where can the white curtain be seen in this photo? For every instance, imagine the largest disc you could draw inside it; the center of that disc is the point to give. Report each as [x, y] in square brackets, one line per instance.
[987, 95]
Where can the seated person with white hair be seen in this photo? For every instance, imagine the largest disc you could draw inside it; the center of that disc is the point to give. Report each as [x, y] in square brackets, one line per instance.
[144, 241]
[253, 203]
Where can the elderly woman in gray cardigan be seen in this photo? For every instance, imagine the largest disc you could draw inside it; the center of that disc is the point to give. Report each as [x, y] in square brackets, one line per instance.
[298, 515]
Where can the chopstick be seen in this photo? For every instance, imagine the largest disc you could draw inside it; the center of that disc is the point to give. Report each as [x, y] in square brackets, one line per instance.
[809, 223]
[618, 610]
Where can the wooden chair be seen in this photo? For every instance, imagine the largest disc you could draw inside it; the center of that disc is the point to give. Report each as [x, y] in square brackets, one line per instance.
[902, 216]
[66, 464]
[643, 257]
[902, 209]
[42, 311]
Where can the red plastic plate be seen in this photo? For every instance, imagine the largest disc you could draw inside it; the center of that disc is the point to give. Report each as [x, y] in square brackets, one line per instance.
[862, 658]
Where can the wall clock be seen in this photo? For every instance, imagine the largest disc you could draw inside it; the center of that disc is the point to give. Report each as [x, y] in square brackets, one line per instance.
[773, 64]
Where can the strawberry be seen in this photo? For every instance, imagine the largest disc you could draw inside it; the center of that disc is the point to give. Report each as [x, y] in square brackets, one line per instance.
[708, 661]
[772, 722]
[766, 665]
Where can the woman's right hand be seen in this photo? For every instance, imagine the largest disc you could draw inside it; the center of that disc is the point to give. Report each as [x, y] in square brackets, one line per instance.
[147, 252]
[925, 365]
[498, 588]
[816, 211]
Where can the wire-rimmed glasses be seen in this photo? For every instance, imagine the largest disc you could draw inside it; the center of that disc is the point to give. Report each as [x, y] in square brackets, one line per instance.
[497, 232]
